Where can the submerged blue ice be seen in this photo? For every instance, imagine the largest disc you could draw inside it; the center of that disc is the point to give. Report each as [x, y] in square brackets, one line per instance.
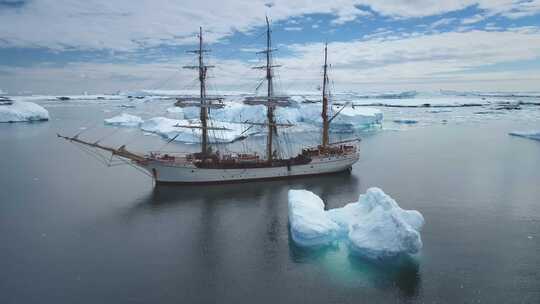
[374, 226]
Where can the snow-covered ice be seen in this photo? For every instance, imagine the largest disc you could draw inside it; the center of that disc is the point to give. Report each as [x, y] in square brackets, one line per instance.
[176, 111]
[166, 127]
[348, 119]
[310, 224]
[21, 111]
[530, 134]
[374, 226]
[356, 118]
[124, 120]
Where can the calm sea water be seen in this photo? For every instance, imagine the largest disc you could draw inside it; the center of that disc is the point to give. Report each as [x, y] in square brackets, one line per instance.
[74, 231]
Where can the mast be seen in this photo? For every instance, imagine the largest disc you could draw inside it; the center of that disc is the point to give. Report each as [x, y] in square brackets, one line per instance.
[204, 102]
[270, 100]
[324, 114]
[204, 110]
[270, 85]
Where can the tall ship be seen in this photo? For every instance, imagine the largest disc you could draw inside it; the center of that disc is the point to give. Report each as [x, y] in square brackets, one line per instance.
[209, 165]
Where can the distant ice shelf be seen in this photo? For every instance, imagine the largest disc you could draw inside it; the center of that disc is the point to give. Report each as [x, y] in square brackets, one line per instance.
[21, 111]
[374, 227]
[439, 102]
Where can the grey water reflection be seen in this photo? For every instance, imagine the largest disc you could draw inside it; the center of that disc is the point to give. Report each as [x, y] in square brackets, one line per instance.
[402, 272]
[245, 226]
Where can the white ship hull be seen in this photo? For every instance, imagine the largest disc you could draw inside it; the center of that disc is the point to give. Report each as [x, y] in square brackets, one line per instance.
[188, 173]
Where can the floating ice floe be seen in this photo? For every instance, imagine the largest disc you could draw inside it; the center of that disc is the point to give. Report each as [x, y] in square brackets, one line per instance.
[124, 120]
[20, 111]
[531, 134]
[374, 226]
[170, 129]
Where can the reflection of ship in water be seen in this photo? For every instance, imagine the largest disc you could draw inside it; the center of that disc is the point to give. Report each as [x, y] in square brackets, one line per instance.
[214, 166]
[326, 186]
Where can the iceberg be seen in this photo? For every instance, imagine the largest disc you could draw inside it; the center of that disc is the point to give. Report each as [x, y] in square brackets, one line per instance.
[311, 113]
[166, 128]
[176, 111]
[531, 134]
[374, 227]
[124, 120]
[358, 117]
[20, 111]
[232, 112]
[310, 224]
[349, 118]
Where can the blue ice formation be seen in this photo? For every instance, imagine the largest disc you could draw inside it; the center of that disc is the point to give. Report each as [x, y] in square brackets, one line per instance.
[374, 226]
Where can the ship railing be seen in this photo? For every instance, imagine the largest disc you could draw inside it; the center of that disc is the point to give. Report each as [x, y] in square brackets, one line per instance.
[170, 156]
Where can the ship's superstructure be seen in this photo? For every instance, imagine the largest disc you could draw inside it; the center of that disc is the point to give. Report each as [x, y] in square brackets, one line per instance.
[209, 165]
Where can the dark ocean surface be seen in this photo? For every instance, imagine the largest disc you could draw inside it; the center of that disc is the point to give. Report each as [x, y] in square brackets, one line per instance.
[75, 231]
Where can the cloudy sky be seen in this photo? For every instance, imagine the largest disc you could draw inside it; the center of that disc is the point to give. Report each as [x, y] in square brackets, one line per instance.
[99, 46]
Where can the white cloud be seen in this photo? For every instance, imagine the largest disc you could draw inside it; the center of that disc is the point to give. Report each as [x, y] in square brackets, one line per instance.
[511, 8]
[349, 14]
[292, 28]
[441, 22]
[423, 59]
[128, 25]
[474, 19]
[76, 78]
[451, 60]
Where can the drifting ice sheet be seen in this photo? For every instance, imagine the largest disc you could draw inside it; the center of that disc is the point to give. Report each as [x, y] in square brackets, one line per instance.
[23, 111]
[375, 226]
[124, 120]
